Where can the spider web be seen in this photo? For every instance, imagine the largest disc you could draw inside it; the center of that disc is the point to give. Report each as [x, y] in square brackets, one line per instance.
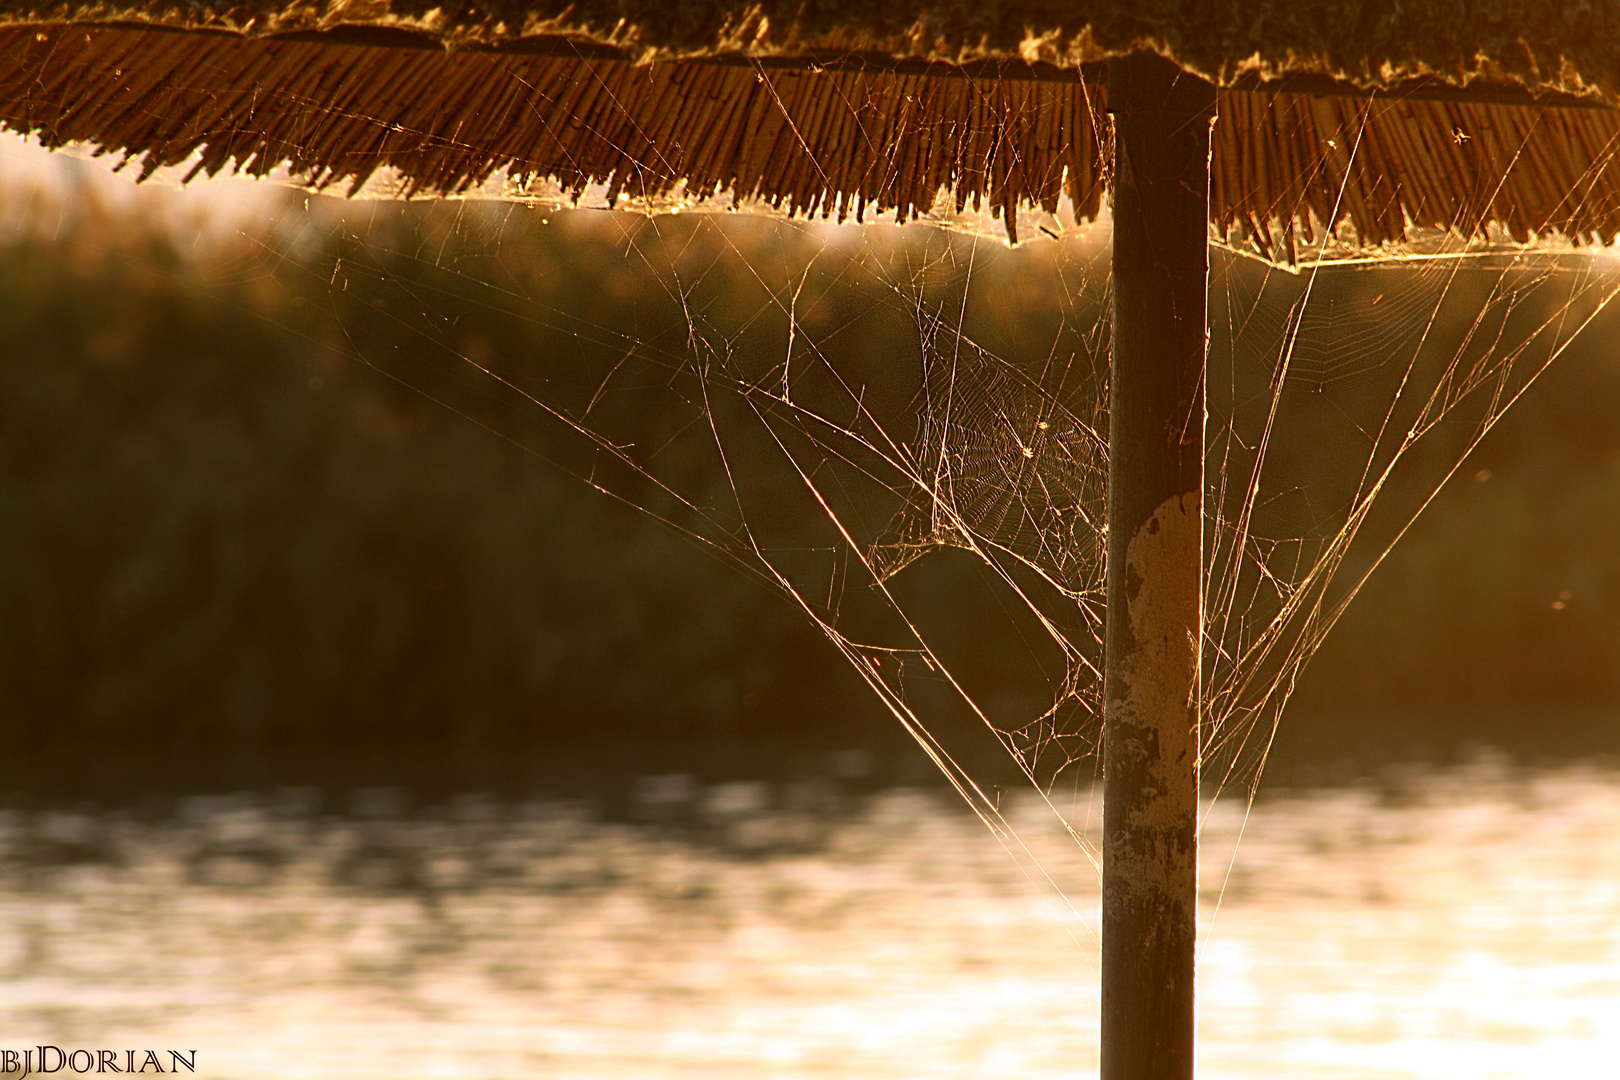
[765, 406]
[893, 427]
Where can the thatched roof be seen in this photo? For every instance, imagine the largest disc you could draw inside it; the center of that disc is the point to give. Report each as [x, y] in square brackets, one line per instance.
[1559, 46]
[1480, 113]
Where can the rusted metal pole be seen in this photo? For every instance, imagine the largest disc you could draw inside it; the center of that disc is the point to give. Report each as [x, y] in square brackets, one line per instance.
[1162, 119]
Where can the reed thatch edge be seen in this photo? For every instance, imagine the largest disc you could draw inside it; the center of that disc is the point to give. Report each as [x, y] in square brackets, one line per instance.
[832, 140]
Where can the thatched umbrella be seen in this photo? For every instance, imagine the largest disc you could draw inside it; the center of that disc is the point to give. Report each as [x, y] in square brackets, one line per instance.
[1382, 118]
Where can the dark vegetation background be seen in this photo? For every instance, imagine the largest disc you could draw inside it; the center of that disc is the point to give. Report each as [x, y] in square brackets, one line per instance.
[237, 551]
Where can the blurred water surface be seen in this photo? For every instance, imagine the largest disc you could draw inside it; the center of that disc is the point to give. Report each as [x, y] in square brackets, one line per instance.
[1458, 923]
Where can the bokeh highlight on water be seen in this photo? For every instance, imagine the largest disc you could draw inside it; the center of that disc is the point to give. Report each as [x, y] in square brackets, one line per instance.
[1443, 923]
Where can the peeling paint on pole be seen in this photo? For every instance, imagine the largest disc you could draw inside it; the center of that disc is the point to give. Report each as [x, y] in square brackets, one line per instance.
[1155, 718]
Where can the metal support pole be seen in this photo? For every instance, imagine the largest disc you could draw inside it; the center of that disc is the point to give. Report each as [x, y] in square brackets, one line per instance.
[1152, 690]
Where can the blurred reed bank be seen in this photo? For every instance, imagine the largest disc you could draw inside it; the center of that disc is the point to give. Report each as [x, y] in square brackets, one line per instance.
[264, 521]
[357, 720]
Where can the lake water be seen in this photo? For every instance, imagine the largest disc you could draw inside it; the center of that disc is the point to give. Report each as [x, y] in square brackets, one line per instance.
[1460, 923]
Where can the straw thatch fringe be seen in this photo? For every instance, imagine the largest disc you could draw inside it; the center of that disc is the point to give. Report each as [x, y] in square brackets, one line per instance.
[813, 142]
[1289, 165]
[822, 143]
